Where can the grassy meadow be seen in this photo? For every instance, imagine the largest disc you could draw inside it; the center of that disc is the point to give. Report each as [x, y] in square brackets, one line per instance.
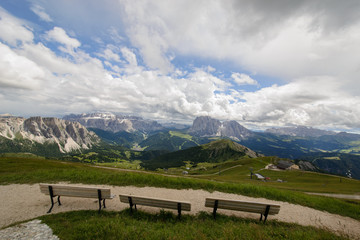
[238, 172]
[28, 169]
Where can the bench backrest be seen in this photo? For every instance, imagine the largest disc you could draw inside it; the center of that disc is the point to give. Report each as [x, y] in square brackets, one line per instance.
[155, 202]
[75, 191]
[237, 205]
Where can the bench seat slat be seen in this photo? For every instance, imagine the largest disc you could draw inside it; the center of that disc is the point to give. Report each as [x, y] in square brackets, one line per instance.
[153, 202]
[74, 191]
[247, 208]
[243, 206]
[239, 201]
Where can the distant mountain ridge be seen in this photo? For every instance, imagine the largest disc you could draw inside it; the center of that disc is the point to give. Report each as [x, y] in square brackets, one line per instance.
[300, 131]
[207, 127]
[68, 136]
[115, 123]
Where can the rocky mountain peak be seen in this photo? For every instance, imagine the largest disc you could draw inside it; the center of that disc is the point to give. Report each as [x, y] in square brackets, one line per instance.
[206, 126]
[67, 135]
[114, 123]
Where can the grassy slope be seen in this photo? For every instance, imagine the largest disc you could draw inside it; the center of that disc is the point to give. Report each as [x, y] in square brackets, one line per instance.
[293, 180]
[216, 151]
[36, 170]
[121, 225]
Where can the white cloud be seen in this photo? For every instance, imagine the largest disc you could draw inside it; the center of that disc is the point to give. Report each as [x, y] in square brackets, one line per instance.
[17, 71]
[59, 35]
[243, 79]
[129, 56]
[315, 101]
[319, 65]
[13, 30]
[40, 12]
[282, 40]
[109, 55]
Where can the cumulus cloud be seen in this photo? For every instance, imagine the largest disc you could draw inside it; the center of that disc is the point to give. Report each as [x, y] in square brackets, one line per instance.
[310, 45]
[17, 71]
[13, 30]
[40, 12]
[243, 79]
[315, 101]
[59, 35]
[286, 40]
[109, 55]
[129, 56]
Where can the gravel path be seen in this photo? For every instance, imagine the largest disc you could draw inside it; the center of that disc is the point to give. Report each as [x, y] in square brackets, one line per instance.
[23, 202]
[34, 230]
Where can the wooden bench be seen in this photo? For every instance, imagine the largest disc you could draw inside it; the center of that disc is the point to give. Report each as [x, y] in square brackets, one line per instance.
[155, 202]
[55, 190]
[253, 207]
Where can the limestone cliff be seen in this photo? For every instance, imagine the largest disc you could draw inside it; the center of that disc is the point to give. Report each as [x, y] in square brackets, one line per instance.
[69, 136]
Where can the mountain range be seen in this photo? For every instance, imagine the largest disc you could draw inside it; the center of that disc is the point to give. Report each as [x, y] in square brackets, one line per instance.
[36, 133]
[51, 136]
[115, 123]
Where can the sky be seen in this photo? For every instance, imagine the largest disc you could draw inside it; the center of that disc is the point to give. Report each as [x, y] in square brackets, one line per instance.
[262, 63]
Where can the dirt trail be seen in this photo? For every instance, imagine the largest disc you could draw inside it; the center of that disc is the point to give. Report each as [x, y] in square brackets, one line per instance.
[23, 202]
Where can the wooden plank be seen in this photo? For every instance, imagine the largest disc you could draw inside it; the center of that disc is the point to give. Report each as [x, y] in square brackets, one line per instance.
[243, 204]
[224, 203]
[75, 191]
[154, 202]
[237, 205]
[239, 201]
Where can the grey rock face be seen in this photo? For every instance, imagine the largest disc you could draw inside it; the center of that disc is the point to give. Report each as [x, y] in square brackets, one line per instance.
[115, 123]
[207, 126]
[68, 135]
[307, 166]
[234, 129]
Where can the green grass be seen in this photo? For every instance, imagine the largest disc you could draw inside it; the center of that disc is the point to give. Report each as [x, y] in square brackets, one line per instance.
[36, 170]
[181, 135]
[164, 225]
[239, 172]
[135, 165]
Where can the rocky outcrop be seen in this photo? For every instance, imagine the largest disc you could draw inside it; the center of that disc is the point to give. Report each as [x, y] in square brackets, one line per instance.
[69, 136]
[208, 127]
[307, 166]
[115, 123]
[205, 126]
[234, 130]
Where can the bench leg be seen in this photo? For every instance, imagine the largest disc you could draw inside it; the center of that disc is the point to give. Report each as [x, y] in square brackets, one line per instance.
[100, 198]
[131, 204]
[51, 193]
[266, 213]
[52, 205]
[179, 210]
[59, 200]
[215, 208]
